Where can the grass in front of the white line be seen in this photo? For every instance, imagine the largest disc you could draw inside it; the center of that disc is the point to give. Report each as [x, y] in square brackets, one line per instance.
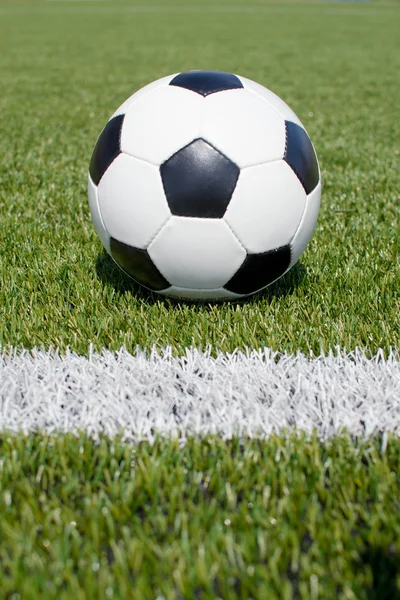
[290, 517]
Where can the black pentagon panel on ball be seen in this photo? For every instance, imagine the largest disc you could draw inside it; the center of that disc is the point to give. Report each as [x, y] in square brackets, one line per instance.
[107, 148]
[300, 156]
[207, 82]
[138, 264]
[199, 181]
[259, 270]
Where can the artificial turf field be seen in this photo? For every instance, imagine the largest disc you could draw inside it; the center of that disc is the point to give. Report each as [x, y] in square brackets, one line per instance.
[278, 518]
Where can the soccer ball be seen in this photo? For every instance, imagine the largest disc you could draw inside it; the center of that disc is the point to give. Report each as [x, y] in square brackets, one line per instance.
[204, 185]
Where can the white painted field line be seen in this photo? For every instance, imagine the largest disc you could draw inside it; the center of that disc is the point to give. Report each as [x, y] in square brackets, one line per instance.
[254, 393]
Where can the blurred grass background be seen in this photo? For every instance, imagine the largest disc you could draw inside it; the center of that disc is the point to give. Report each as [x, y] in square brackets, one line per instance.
[288, 518]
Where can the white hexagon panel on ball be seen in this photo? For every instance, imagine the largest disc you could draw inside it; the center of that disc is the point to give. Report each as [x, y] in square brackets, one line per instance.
[132, 201]
[161, 123]
[150, 87]
[243, 127]
[266, 207]
[196, 253]
[272, 99]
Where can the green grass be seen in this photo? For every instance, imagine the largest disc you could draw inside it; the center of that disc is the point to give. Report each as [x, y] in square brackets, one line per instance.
[66, 66]
[284, 518]
[291, 518]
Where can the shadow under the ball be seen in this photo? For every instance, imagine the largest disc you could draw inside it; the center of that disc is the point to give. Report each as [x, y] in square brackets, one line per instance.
[285, 286]
[109, 273]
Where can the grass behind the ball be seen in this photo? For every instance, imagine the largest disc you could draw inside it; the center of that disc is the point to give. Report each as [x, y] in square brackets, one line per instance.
[66, 66]
[282, 519]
